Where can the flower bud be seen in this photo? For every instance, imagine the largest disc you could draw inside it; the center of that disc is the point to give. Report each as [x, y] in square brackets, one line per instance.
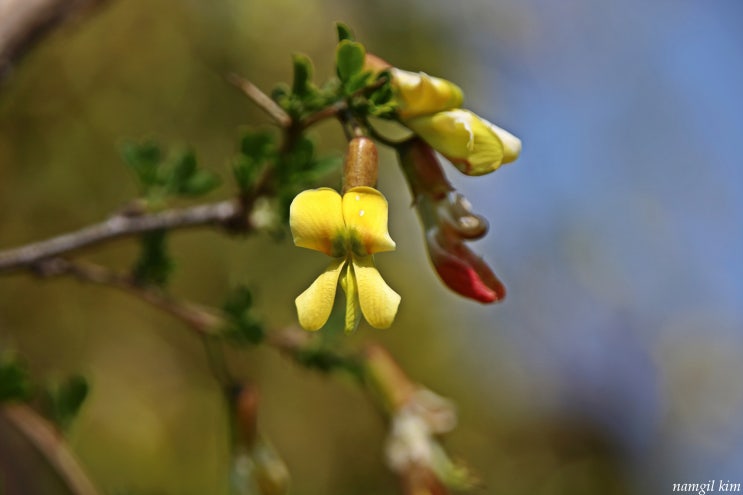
[462, 270]
[418, 94]
[472, 144]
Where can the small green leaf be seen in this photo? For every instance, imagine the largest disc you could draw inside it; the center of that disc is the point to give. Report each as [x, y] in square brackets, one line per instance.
[302, 74]
[358, 81]
[349, 59]
[144, 159]
[14, 381]
[344, 32]
[154, 265]
[256, 149]
[243, 327]
[258, 145]
[200, 183]
[62, 401]
[183, 168]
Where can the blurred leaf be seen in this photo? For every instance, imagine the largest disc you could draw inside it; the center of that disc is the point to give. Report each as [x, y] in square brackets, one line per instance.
[184, 178]
[257, 148]
[344, 32]
[303, 70]
[200, 183]
[14, 381]
[349, 59]
[159, 178]
[154, 265]
[144, 159]
[299, 168]
[62, 402]
[243, 327]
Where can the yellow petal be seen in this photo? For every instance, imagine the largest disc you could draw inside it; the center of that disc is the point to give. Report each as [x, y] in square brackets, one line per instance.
[365, 215]
[378, 301]
[314, 304]
[316, 221]
[511, 144]
[420, 94]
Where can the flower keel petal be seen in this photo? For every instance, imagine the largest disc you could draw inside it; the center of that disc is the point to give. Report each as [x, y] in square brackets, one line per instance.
[315, 304]
[378, 301]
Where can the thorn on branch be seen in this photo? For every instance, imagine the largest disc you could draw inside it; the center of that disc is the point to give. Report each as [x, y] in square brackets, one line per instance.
[261, 99]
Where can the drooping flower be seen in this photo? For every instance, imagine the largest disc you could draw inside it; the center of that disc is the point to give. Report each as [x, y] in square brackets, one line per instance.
[448, 221]
[471, 143]
[350, 229]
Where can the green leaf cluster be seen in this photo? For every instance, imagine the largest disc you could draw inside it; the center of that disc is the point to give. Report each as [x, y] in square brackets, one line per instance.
[349, 60]
[304, 97]
[161, 177]
[243, 327]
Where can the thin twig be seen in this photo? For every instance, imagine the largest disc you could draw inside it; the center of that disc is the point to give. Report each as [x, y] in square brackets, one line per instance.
[223, 213]
[204, 321]
[261, 99]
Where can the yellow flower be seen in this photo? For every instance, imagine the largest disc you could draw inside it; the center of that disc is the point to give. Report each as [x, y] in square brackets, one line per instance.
[417, 93]
[350, 229]
[472, 144]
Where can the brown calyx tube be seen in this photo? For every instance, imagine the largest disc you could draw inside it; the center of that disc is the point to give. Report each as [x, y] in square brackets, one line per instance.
[361, 165]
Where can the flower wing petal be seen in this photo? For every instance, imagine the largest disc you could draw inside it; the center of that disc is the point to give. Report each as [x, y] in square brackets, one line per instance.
[365, 215]
[316, 220]
[315, 304]
[378, 301]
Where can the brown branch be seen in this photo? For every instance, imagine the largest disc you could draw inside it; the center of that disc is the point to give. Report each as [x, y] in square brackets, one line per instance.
[225, 213]
[25, 22]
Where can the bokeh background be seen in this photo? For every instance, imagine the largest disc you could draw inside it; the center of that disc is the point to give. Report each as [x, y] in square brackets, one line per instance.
[614, 365]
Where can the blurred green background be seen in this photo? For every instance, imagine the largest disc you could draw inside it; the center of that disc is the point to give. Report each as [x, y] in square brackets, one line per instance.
[612, 367]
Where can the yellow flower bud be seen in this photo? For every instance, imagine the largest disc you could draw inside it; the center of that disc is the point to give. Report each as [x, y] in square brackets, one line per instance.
[472, 144]
[417, 93]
